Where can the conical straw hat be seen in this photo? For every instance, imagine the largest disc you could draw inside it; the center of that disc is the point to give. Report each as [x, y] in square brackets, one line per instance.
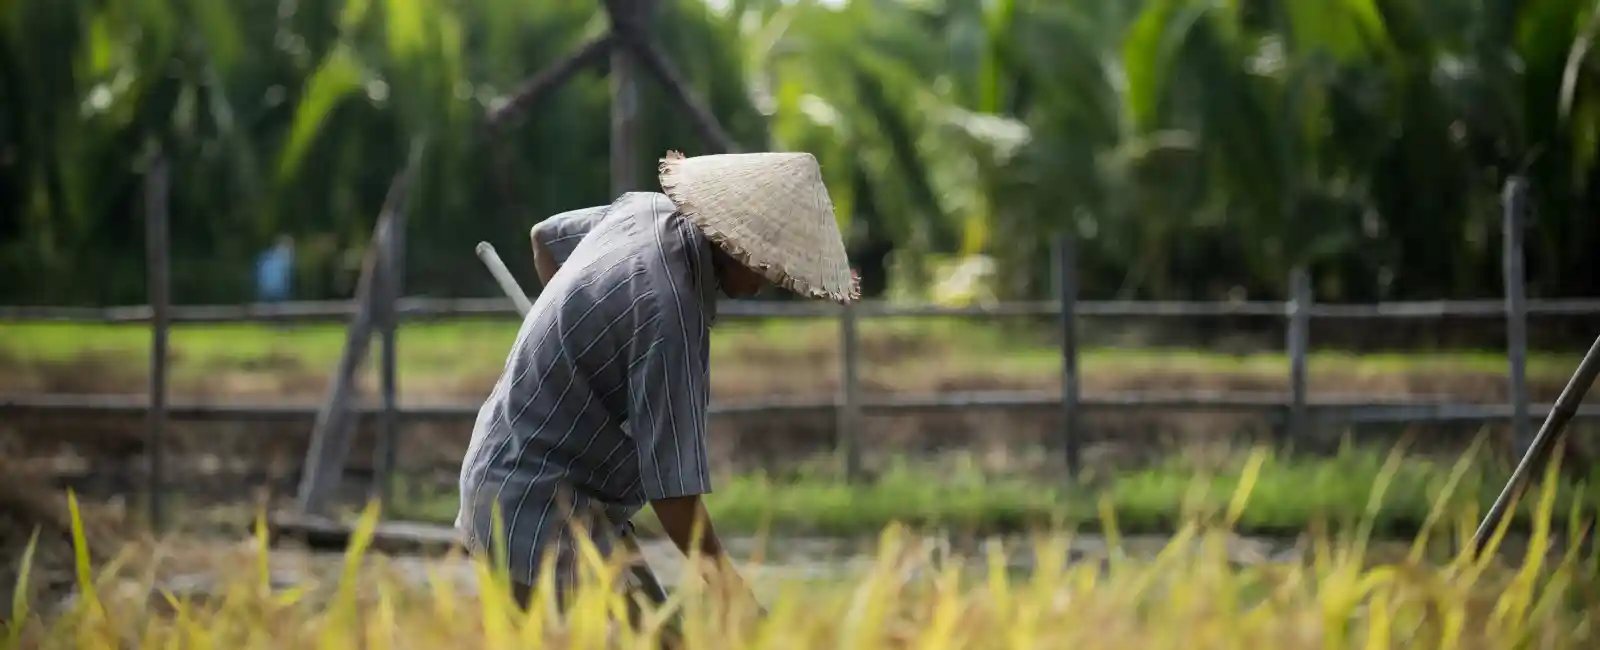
[771, 212]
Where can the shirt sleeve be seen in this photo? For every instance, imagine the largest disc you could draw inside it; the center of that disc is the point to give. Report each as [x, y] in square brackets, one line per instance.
[667, 404]
[562, 233]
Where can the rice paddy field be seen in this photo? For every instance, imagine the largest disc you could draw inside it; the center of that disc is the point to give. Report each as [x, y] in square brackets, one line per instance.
[1206, 547]
[1188, 593]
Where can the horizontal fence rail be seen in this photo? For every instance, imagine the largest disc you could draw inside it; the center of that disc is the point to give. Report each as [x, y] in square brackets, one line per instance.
[428, 309]
[1336, 409]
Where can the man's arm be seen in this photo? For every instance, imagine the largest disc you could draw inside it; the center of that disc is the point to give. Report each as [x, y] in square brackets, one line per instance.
[682, 518]
[555, 238]
[668, 399]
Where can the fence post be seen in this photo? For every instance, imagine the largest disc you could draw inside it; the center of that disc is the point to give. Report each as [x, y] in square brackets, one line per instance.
[392, 282]
[1515, 201]
[849, 410]
[1299, 335]
[624, 112]
[330, 434]
[158, 265]
[1066, 273]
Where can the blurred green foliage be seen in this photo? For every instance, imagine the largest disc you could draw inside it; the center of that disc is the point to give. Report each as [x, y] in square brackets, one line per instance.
[1197, 147]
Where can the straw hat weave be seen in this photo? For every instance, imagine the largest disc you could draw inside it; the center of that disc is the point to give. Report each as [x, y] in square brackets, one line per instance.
[771, 212]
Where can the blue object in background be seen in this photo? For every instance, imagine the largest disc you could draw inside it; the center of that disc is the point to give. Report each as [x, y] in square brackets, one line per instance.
[274, 270]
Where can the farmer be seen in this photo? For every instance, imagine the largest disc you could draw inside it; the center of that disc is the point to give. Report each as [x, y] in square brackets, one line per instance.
[601, 408]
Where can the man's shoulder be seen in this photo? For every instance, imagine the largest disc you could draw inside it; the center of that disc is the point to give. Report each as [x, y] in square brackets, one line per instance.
[640, 242]
[591, 210]
[644, 196]
[644, 221]
[650, 206]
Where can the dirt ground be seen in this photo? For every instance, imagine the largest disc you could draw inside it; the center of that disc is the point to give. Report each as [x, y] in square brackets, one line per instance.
[27, 508]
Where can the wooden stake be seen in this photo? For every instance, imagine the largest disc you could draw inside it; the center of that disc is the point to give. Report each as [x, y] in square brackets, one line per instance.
[849, 414]
[1516, 313]
[547, 80]
[158, 264]
[1066, 272]
[527, 94]
[624, 116]
[1299, 349]
[634, 36]
[330, 436]
[386, 452]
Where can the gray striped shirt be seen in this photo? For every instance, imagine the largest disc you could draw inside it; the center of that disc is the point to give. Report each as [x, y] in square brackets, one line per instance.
[602, 403]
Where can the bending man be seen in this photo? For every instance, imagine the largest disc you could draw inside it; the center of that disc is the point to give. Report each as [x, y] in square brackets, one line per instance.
[602, 405]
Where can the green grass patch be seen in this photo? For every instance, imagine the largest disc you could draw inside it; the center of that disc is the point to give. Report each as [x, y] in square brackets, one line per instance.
[1285, 496]
[470, 348]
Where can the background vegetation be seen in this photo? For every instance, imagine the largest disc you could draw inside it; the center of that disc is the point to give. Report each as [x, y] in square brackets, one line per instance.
[1198, 147]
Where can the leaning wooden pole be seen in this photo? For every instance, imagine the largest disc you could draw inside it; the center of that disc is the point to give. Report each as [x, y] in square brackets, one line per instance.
[331, 435]
[630, 46]
[386, 451]
[547, 80]
[629, 22]
[1539, 450]
[527, 94]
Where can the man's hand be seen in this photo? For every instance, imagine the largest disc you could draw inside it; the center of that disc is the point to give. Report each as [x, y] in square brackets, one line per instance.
[679, 517]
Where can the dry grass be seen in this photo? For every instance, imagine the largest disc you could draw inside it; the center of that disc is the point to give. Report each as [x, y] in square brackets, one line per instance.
[1188, 596]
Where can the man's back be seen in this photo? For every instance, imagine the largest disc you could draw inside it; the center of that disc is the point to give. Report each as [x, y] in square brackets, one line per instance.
[619, 335]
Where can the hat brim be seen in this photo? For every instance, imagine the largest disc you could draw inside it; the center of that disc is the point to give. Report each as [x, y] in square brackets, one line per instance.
[764, 263]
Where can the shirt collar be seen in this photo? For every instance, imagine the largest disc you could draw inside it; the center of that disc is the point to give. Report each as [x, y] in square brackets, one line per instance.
[703, 269]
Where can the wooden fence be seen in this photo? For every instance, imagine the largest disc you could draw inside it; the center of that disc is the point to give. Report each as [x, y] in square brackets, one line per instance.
[1292, 412]
[378, 309]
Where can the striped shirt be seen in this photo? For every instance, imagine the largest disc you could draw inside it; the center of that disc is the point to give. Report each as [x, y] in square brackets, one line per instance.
[602, 403]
